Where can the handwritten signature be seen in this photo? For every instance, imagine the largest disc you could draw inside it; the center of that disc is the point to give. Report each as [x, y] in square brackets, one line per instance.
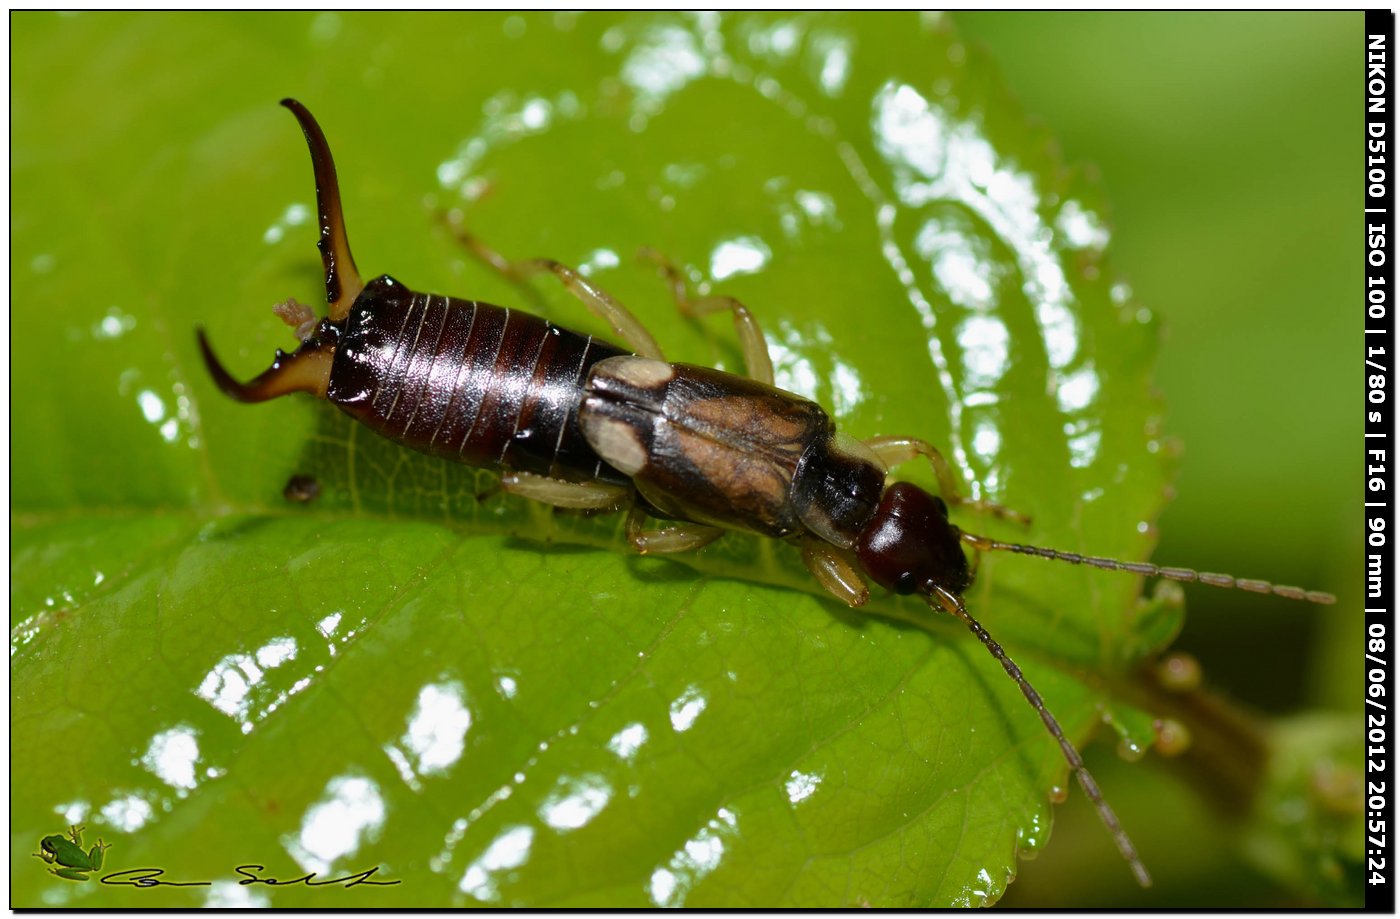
[152, 877]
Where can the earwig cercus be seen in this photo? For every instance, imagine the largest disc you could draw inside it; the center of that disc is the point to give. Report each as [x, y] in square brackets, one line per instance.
[580, 423]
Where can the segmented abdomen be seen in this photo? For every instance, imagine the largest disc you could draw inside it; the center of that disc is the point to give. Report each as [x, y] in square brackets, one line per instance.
[468, 381]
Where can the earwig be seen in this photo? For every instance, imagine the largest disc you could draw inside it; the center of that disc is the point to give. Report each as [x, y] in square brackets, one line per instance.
[580, 423]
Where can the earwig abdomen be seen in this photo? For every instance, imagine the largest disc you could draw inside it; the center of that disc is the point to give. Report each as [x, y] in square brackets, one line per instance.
[468, 381]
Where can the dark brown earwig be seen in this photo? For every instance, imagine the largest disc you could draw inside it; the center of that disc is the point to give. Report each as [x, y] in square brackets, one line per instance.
[580, 423]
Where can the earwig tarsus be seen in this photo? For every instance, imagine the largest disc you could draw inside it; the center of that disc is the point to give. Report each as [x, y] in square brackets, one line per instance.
[579, 423]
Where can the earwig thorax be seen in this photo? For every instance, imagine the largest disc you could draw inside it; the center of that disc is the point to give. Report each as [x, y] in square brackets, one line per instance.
[836, 488]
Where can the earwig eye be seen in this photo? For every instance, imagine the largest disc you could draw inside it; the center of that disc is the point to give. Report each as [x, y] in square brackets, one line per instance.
[941, 505]
[905, 583]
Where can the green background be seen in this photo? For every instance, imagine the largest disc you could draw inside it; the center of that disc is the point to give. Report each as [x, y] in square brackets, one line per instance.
[155, 187]
[1227, 147]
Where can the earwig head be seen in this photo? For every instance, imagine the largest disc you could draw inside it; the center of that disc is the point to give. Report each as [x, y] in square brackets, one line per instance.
[909, 545]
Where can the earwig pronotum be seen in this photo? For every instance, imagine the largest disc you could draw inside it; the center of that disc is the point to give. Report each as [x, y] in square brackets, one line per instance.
[579, 423]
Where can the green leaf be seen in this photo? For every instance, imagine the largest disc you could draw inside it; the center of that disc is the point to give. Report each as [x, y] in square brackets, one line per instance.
[492, 702]
[1309, 826]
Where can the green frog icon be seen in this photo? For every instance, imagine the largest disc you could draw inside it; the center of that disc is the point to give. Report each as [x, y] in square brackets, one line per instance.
[73, 863]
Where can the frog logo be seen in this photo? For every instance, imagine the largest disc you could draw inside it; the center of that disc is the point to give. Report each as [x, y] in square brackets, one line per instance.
[66, 854]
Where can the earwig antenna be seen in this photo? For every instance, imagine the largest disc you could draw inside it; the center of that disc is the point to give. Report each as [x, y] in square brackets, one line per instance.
[1174, 574]
[954, 605]
[343, 282]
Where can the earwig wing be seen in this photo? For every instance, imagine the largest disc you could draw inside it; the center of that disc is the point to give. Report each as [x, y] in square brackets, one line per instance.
[700, 445]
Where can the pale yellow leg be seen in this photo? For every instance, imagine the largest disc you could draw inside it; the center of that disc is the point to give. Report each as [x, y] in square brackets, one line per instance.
[679, 537]
[627, 326]
[893, 451]
[834, 571]
[757, 363]
[584, 496]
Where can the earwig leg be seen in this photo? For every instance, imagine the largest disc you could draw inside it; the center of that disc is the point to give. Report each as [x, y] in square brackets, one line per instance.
[834, 571]
[757, 361]
[682, 537]
[893, 451]
[588, 496]
[602, 304]
[452, 220]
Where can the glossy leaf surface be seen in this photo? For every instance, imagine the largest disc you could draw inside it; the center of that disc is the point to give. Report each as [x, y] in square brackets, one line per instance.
[492, 702]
